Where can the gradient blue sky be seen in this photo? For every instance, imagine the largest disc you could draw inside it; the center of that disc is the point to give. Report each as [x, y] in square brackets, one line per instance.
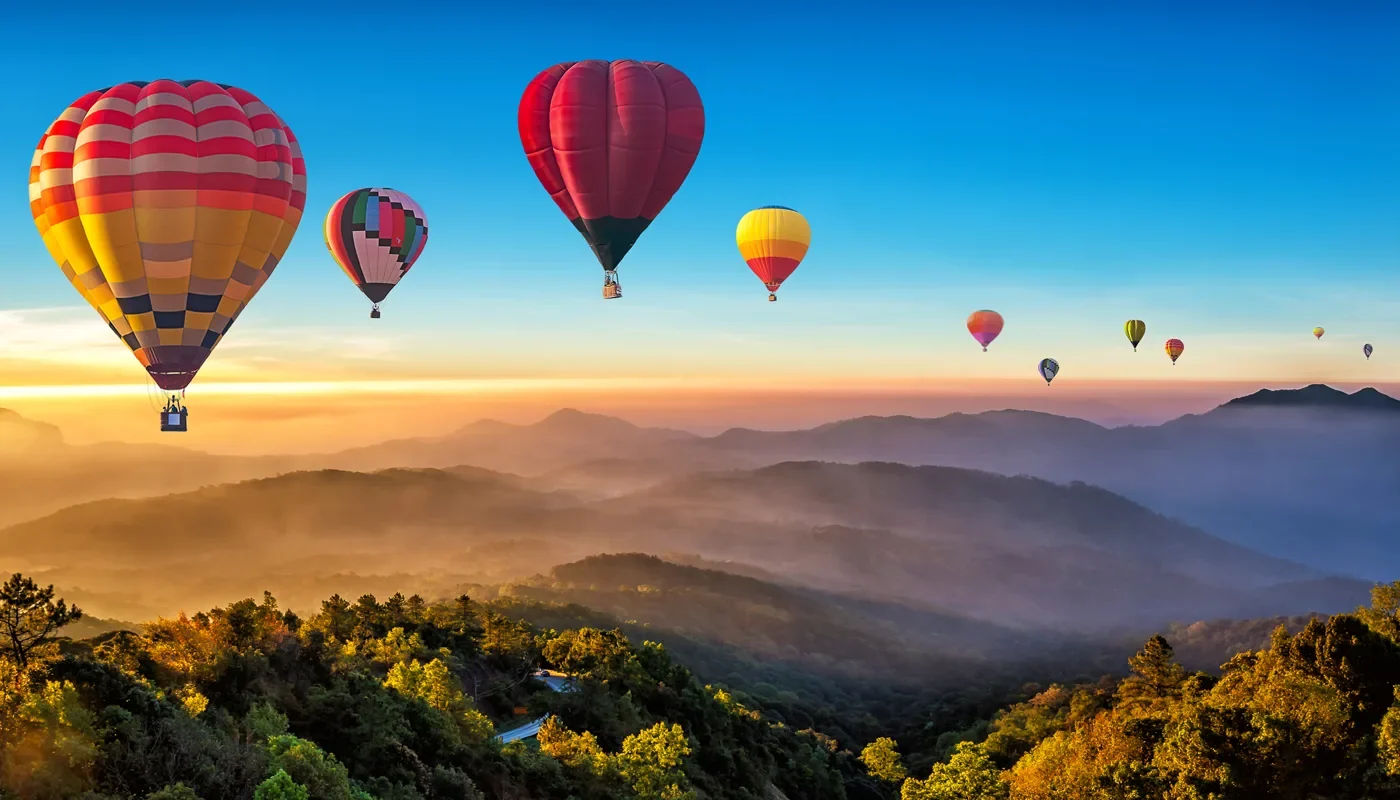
[1229, 172]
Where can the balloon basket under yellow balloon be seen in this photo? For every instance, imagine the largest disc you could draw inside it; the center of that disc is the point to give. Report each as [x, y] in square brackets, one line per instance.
[175, 420]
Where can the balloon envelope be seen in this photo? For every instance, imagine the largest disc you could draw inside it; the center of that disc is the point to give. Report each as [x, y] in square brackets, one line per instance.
[1048, 369]
[984, 326]
[611, 142]
[168, 205]
[1135, 329]
[1318, 332]
[1175, 348]
[1367, 350]
[773, 240]
[375, 235]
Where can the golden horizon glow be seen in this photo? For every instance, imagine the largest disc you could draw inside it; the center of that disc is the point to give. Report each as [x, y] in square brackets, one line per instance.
[894, 385]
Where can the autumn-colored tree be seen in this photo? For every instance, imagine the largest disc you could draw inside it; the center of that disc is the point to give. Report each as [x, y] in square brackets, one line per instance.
[574, 750]
[1383, 615]
[1099, 760]
[29, 617]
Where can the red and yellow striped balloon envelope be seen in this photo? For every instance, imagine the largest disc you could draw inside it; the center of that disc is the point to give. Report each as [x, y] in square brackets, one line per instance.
[168, 205]
[773, 240]
[1175, 348]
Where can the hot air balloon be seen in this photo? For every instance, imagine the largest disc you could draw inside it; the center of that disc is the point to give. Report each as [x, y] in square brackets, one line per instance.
[1318, 332]
[1135, 329]
[1048, 369]
[984, 326]
[168, 205]
[773, 240]
[375, 235]
[1175, 349]
[1367, 350]
[611, 142]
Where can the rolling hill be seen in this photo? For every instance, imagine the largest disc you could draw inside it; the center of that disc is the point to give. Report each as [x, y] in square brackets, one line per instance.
[1015, 551]
[801, 626]
[1308, 474]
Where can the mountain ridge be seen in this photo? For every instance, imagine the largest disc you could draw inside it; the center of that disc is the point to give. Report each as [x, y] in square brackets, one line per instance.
[1236, 470]
[1020, 551]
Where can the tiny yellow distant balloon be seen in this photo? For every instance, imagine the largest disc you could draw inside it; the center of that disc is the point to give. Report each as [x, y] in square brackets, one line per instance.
[1318, 332]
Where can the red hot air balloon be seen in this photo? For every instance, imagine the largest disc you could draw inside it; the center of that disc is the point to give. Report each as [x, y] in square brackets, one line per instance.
[611, 142]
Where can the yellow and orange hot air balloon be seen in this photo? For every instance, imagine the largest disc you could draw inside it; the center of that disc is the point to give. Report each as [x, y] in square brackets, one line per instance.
[1174, 349]
[168, 205]
[773, 240]
[984, 326]
[1317, 332]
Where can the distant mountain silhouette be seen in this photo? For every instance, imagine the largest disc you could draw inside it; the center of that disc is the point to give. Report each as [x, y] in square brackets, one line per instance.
[1310, 483]
[1291, 473]
[21, 436]
[1316, 396]
[562, 439]
[947, 536]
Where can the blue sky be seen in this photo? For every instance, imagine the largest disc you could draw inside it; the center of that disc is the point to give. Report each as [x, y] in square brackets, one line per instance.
[1228, 172]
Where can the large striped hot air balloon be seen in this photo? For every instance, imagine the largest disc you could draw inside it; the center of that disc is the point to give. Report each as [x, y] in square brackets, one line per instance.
[375, 235]
[1135, 329]
[168, 205]
[1174, 349]
[773, 240]
[611, 142]
[984, 326]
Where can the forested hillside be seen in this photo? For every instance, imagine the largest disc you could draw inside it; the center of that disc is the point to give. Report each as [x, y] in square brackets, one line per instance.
[409, 699]
[401, 699]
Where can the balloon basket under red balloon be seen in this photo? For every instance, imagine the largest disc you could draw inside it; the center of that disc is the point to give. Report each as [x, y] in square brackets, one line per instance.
[772, 298]
[611, 288]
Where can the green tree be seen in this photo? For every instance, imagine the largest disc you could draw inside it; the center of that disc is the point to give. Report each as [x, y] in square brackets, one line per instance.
[52, 744]
[651, 762]
[881, 759]
[174, 791]
[29, 617]
[324, 777]
[281, 787]
[1155, 678]
[604, 655]
[263, 722]
[968, 775]
[434, 684]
